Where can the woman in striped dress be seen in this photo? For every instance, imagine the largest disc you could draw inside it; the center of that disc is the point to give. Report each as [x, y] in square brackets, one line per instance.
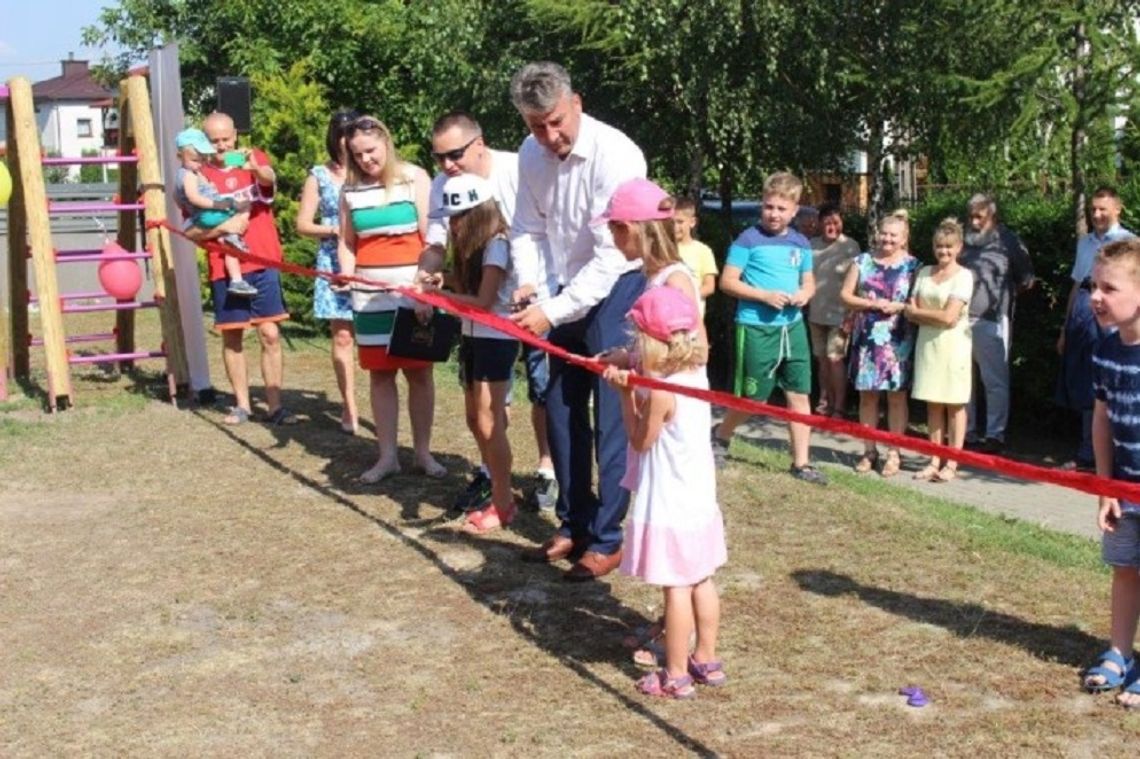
[383, 217]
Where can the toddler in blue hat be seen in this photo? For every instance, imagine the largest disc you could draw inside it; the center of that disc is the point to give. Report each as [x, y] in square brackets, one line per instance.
[205, 208]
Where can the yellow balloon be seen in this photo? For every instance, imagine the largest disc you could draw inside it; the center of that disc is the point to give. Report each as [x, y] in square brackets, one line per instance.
[5, 185]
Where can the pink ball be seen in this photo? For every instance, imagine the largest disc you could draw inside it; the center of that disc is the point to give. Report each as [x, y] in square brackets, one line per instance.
[121, 278]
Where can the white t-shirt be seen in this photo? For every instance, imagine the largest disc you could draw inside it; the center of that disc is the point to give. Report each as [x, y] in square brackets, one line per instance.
[504, 181]
[497, 253]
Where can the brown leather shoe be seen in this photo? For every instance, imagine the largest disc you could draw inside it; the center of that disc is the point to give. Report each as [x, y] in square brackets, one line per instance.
[593, 565]
[554, 549]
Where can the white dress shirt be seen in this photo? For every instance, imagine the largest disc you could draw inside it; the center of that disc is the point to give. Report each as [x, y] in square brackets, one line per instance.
[504, 181]
[552, 242]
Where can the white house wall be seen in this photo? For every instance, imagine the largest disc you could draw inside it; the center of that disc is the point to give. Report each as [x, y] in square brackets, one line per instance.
[58, 123]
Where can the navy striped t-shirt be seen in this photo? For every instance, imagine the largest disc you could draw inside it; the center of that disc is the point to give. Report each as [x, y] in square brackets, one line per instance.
[1116, 382]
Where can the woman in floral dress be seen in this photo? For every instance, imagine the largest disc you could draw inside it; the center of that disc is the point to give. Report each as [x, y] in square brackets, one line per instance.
[882, 340]
[320, 196]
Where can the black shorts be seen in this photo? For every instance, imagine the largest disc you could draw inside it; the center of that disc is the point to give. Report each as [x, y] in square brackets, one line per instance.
[486, 359]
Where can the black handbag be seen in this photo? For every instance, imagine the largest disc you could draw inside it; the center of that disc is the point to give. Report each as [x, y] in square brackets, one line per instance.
[413, 339]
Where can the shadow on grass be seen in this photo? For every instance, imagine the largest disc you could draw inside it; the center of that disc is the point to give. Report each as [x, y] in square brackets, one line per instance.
[1065, 645]
[568, 627]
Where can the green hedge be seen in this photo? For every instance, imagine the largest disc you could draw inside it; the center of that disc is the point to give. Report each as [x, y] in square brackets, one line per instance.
[1043, 222]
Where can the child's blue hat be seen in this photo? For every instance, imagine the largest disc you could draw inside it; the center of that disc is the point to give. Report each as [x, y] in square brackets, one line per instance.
[194, 138]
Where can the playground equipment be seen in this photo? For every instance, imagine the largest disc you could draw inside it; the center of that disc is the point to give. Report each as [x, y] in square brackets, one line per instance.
[29, 236]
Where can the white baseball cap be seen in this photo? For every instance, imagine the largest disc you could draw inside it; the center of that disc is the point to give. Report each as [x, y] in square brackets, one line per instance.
[460, 193]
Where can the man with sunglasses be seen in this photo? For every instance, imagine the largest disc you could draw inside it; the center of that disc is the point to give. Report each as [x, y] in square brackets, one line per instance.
[458, 148]
[569, 167]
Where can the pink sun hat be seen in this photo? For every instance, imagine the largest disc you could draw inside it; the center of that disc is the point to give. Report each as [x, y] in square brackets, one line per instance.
[636, 200]
[663, 311]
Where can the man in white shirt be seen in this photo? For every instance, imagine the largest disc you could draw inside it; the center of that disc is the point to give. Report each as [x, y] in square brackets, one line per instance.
[458, 148]
[569, 167]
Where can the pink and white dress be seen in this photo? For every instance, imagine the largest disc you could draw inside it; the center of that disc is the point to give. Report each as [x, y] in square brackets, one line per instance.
[674, 533]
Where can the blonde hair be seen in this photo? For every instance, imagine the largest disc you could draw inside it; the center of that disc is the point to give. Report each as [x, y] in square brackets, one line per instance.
[784, 184]
[1123, 252]
[683, 352]
[656, 239]
[390, 174]
[949, 230]
[900, 217]
[471, 230]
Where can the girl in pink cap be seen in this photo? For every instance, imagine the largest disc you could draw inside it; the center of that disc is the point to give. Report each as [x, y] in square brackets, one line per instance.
[674, 533]
[640, 217]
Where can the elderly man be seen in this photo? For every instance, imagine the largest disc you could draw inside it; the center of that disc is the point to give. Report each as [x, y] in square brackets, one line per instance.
[569, 167]
[458, 148]
[1002, 268]
[251, 182]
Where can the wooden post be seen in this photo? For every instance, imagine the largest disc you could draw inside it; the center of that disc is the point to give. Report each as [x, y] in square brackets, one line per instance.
[24, 136]
[141, 126]
[17, 260]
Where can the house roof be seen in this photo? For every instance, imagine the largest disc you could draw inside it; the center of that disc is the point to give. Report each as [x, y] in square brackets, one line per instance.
[75, 83]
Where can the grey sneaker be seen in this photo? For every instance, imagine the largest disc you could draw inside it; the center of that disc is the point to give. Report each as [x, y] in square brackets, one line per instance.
[242, 288]
[235, 241]
[808, 473]
[545, 494]
[720, 450]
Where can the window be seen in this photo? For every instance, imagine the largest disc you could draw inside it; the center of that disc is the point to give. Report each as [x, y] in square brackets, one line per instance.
[83, 127]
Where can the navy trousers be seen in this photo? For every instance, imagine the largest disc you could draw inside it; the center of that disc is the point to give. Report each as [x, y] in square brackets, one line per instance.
[594, 519]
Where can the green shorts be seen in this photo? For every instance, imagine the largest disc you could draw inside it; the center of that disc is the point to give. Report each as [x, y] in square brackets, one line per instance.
[770, 356]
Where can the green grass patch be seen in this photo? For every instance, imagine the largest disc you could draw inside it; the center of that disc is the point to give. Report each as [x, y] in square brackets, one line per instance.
[974, 528]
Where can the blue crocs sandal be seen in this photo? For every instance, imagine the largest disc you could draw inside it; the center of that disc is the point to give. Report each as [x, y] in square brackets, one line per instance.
[1113, 678]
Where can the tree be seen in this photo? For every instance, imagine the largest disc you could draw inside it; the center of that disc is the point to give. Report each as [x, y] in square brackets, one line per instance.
[1065, 69]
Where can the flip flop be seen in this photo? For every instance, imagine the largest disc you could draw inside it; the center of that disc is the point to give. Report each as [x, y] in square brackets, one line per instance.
[489, 519]
[235, 416]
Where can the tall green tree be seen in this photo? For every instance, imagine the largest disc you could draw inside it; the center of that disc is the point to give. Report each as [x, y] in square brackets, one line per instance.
[1064, 68]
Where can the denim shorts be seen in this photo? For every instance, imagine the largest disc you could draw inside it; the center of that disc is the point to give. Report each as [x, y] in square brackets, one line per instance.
[486, 359]
[238, 312]
[1121, 547]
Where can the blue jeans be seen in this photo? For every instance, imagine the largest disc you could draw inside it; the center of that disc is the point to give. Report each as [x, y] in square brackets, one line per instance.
[586, 517]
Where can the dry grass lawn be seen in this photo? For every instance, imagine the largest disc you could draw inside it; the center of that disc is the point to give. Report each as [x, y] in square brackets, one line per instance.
[170, 586]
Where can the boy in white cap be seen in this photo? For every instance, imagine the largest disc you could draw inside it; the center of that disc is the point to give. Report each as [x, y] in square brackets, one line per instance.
[205, 208]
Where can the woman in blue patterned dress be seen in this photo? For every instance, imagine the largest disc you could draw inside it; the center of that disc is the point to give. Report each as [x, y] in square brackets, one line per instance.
[320, 196]
[882, 340]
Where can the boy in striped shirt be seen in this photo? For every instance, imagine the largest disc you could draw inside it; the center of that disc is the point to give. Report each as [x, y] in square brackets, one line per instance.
[1116, 445]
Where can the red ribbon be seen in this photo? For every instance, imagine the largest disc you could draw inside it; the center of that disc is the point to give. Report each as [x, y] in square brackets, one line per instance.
[1088, 483]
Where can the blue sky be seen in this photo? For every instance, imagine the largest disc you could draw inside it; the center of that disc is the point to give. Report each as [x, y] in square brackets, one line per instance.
[35, 35]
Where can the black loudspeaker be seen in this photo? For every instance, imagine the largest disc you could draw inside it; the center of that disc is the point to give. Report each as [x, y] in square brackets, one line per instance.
[234, 100]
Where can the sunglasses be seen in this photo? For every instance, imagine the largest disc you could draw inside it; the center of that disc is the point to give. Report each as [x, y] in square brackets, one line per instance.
[365, 124]
[453, 155]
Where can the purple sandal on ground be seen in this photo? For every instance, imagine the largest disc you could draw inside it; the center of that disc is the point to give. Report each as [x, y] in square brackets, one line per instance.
[710, 673]
[660, 684]
[914, 696]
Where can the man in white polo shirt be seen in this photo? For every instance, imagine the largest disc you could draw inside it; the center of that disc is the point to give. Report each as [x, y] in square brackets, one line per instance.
[569, 167]
[458, 148]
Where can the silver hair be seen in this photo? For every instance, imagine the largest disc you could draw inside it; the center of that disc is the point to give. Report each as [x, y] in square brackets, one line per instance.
[537, 87]
[981, 200]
